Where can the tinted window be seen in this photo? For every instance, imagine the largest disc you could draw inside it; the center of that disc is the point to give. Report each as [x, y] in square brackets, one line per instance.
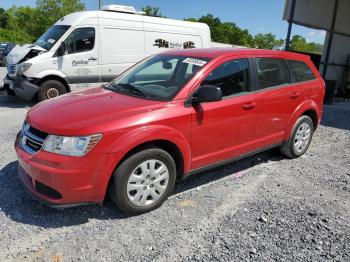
[272, 72]
[232, 77]
[81, 40]
[301, 71]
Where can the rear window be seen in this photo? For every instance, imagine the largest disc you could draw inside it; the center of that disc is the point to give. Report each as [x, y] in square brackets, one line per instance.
[301, 71]
[272, 72]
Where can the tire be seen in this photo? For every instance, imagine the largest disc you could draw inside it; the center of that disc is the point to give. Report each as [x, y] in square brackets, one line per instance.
[300, 138]
[50, 89]
[135, 188]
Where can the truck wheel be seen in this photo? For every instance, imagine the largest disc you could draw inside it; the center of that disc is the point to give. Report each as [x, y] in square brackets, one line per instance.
[50, 89]
[143, 181]
[300, 138]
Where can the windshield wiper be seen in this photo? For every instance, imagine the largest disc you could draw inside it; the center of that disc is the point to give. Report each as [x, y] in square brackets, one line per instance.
[131, 89]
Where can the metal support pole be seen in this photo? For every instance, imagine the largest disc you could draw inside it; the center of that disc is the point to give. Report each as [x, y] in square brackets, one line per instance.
[100, 4]
[290, 24]
[330, 40]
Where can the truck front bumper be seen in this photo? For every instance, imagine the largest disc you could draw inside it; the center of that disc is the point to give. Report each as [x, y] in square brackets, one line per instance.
[21, 86]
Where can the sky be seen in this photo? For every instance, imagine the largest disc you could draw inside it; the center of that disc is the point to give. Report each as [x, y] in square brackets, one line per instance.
[258, 16]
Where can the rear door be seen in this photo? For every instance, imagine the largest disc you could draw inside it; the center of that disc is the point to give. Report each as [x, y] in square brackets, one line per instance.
[224, 129]
[277, 99]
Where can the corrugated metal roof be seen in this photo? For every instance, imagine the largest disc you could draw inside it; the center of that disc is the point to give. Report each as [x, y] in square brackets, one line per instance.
[318, 14]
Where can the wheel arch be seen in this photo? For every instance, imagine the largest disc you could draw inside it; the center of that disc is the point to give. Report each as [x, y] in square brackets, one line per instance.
[166, 145]
[54, 77]
[308, 108]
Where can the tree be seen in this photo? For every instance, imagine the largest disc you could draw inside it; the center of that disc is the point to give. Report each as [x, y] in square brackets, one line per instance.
[226, 32]
[267, 41]
[4, 18]
[152, 11]
[299, 43]
[50, 11]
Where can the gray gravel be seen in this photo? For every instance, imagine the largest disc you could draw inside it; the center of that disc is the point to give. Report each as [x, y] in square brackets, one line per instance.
[263, 208]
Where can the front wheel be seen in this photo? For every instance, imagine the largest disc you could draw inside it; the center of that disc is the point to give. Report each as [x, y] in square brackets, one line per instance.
[50, 89]
[143, 181]
[300, 138]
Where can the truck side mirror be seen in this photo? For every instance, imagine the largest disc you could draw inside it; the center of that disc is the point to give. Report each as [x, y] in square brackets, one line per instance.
[207, 93]
[61, 51]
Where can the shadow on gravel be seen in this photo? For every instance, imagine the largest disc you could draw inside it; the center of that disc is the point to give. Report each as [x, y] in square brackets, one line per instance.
[13, 102]
[19, 206]
[335, 115]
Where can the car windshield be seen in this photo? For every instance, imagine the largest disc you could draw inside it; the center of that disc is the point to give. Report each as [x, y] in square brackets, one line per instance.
[51, 36]
[160, 77]
[3, 46]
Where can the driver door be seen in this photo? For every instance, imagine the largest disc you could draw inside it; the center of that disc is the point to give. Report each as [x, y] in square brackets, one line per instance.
[224, 129]
[80, 62]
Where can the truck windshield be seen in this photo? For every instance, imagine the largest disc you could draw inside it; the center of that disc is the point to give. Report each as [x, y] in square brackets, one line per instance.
[160, 77]
[51, 36]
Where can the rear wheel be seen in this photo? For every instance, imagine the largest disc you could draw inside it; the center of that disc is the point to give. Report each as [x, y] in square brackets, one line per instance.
[50, 89]
[300, 138]
[143, 181]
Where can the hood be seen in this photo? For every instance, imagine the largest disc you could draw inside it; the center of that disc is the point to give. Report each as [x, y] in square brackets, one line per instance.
[18, 53]
[68, 114]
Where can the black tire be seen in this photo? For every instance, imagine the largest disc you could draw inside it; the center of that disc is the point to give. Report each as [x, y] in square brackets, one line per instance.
[117, 188]
[288, 148]
[50, 89]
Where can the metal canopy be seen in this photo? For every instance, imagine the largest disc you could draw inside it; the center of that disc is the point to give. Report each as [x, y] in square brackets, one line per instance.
[318, 14]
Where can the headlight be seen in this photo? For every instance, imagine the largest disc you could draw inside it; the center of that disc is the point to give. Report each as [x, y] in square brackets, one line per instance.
[70, 146]
[23, 67]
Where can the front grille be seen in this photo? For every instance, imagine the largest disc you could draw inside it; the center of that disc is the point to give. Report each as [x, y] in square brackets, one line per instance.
[47, 191]
[32, 139]
[12, 69]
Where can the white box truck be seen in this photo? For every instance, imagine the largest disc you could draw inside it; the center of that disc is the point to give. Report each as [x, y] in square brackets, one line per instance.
[92, 47]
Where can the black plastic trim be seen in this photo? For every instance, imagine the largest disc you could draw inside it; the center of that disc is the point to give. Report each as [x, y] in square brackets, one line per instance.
[229, 160]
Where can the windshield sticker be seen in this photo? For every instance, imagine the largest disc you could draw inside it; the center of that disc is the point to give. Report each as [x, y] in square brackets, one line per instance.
[51, 41]
[194, 61]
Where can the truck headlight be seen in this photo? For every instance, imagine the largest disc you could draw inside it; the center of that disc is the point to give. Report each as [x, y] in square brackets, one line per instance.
[23, 67]
[70, 146]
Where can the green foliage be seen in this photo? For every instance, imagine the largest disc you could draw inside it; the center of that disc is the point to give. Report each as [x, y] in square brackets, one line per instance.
[226, 32]
[25, 24]
[152, 11]
[4, 18]
[50, 11]
[267, 41]
[298, 43]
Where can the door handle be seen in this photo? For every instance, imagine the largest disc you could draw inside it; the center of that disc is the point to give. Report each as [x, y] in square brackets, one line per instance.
[92, 59]
[294, 95]
[249, 106]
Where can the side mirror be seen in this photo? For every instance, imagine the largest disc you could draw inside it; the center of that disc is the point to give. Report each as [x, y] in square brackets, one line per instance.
[207, 93]
[61, 49]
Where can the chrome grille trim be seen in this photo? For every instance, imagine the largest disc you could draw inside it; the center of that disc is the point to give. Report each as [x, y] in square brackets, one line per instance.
[30, 142]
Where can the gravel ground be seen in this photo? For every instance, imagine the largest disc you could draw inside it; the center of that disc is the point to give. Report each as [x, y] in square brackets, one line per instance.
[263, 208]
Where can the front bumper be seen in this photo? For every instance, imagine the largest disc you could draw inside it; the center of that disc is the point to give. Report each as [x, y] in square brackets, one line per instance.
[22, 87]
[63, 181]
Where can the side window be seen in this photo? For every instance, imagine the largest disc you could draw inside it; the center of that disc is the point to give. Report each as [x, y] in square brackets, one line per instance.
[301, 71]
[80, 40]
[232, 77]
[272, 72]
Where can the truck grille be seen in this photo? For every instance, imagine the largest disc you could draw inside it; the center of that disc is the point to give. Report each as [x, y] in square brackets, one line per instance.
[12, 69]
[32, 139]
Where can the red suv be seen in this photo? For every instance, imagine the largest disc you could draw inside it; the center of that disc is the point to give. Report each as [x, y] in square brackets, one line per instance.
[171, 115]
